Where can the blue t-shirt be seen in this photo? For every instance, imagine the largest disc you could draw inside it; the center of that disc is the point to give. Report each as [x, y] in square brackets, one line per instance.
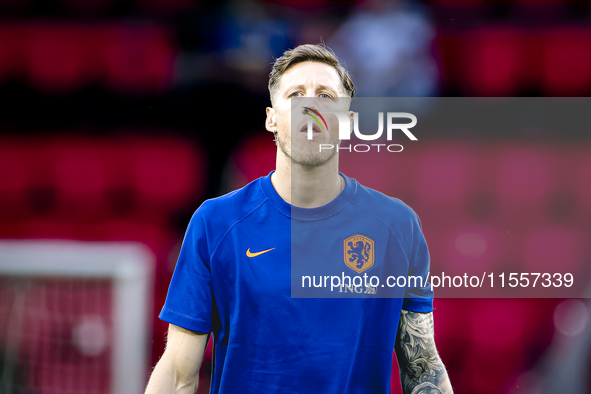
[234, 279]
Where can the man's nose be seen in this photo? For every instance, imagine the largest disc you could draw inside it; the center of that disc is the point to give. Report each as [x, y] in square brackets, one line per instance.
[310, 106]
[312, 102]
[303, 102]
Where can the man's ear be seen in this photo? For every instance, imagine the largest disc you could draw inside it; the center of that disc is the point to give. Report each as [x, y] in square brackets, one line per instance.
[271, 121]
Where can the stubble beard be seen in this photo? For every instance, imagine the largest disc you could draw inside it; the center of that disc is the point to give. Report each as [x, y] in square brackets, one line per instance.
[308, 157]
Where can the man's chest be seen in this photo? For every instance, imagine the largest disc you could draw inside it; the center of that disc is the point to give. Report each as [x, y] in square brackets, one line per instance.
[286, 259]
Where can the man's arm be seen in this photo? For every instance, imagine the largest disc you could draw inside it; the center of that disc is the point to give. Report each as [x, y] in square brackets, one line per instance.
[421, 369]
[178, 369]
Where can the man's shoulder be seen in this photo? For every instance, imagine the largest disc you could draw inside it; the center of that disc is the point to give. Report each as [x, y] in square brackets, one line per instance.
[400, 219]
[233, 205]
[382, 205]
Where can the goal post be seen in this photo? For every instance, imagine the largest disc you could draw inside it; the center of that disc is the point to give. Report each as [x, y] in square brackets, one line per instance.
[69, 308]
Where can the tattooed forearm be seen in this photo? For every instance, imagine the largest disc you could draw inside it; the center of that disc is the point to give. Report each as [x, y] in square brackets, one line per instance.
[421, 369]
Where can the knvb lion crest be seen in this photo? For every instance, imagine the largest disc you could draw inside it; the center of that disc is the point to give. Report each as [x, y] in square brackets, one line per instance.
[359, 253]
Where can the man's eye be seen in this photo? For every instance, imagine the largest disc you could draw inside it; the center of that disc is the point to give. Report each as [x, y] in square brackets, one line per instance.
[324, 95]
[294, 94]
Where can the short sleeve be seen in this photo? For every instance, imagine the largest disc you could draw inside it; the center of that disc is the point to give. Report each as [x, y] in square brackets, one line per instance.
[189, 299]
[418, 296]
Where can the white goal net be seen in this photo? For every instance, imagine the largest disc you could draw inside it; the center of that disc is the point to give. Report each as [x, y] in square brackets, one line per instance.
[75, 317]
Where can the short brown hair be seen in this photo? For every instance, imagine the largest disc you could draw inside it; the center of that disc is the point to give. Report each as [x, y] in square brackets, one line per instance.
[308, 52]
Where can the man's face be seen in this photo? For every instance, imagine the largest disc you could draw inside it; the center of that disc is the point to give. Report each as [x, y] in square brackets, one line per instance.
[321, 86]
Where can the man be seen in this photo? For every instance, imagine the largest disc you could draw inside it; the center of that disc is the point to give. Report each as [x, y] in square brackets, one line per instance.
[234, 279]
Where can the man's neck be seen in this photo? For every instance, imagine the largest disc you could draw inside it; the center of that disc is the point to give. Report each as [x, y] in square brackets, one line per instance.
[307, 187]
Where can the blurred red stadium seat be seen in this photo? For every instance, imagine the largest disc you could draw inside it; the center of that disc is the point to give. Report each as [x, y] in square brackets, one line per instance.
[166, 174]
[566, 62]
[443, 176]
[383, 171]
[14, 180]
[139, 59]
[582, 188]
[471, 248]
[523, 181]
[550, 249]
[439, 179]
[254, 158]
[448, 47]
[61, 58]
[132, 59]
[494, 61]
[56, 58]
[49, 228]
[79, 173]
[80, 179]
[393, 174]
[11, 53]
[496, 327]
[116, 229]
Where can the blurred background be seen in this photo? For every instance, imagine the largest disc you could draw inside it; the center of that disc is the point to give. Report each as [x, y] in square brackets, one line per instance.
[115, 125]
